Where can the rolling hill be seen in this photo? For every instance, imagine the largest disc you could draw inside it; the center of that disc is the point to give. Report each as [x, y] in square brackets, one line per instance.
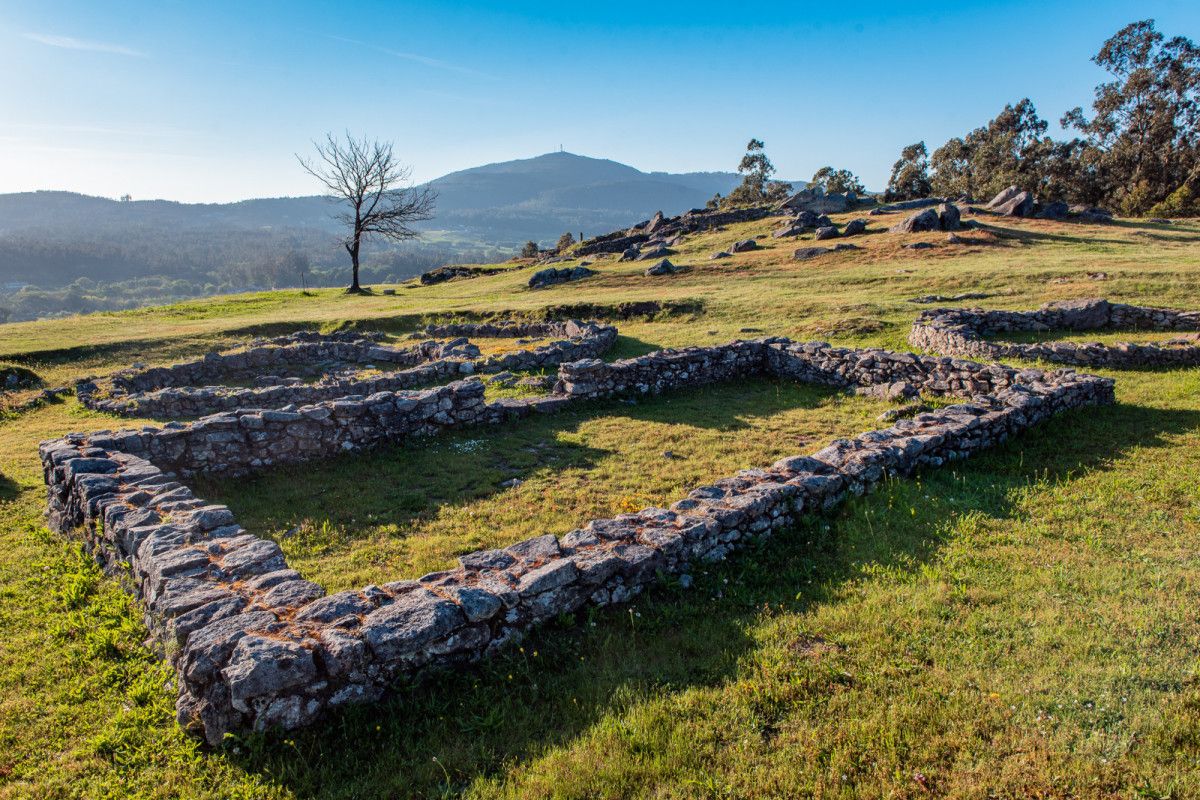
[49, 238]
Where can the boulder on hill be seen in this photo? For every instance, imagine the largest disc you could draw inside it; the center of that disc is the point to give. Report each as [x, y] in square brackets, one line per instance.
[1003, 197]
[791, 229]
[948, 217]
[815, 200]
[826, 232]
[720, 254]
[1012, 202]
[1056, 210]
[1020, 206]
[664, 267]
[808, 219]
[658, 251]
[552, 276]
[919, 222]
[806, 253]
[743, 246]
[854, 227]
[1091, 213]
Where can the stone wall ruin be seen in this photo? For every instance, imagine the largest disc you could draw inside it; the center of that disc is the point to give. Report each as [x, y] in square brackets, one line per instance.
[962, 332]
[346, 364]
[255, 645]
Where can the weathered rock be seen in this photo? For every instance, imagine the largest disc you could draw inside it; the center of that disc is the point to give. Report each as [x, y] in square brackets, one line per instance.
[552, 276]
[827, 232]
[664, 267]
[265, 667]
[743, 246]
[948, 217]
[807, 253]
[1012, 202]
[1055, 210]
[854, 227]
[919, 222]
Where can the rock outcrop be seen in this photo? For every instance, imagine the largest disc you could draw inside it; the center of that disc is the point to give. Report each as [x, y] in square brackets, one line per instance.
[552, 276]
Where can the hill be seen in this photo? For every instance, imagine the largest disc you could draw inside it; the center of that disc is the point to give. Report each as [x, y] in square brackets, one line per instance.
[78, 253]
[496, 204]
[1017, 623]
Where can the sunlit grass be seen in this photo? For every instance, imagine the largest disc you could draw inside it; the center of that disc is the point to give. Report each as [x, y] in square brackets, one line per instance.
[1021, 624]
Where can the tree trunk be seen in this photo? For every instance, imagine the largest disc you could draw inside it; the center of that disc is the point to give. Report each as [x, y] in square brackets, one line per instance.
[355, 288]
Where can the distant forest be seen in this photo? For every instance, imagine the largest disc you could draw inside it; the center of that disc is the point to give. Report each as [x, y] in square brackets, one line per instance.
[65, 253]
[107, 272]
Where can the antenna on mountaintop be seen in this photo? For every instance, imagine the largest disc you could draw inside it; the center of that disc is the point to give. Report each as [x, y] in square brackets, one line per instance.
[560, 149]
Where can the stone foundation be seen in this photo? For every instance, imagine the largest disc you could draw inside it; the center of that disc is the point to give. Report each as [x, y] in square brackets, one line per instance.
[173, 393]
[256, 646]
[961, 332]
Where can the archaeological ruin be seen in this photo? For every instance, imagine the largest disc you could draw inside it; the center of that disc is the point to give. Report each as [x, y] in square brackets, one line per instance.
[256, 646]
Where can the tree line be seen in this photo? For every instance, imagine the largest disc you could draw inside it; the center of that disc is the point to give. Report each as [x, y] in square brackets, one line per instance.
[1137, 151]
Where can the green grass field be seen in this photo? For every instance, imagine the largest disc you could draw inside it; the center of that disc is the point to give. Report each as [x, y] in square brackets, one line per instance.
[1022, 624]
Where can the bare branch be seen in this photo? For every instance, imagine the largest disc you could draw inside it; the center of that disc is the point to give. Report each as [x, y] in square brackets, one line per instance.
[367, 177]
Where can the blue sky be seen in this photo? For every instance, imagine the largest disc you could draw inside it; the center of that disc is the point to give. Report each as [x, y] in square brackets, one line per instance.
[208, 101]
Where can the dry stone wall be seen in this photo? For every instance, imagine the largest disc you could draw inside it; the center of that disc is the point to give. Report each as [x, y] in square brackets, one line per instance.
[962, 332]
[256, 646]
[167, 392]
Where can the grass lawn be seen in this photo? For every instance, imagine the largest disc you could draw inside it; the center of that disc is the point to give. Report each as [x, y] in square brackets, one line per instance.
[1022, 624]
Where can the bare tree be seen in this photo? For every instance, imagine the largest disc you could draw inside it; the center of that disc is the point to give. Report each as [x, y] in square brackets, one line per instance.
[366, 175]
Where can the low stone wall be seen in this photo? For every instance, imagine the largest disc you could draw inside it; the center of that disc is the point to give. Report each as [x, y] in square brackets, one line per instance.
[961, 331]
[295, 352]
[161, 391]
[255, 645]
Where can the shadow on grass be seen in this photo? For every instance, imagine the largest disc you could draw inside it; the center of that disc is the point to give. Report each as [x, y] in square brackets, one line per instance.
[9, 489]
[437, 737]
[400, 485]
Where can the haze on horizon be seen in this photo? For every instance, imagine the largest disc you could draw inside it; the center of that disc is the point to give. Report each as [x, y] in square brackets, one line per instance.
[209, 103]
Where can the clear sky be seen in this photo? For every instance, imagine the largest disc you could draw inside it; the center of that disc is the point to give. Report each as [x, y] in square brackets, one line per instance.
[205, 100]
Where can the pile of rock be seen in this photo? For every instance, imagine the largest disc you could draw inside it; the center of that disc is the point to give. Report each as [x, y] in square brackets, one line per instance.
[552, 276]
[962, 331]
[456, 271]
[660, 230]
[802, 222]
[946, 217]
[1017, 202]
[255, 645]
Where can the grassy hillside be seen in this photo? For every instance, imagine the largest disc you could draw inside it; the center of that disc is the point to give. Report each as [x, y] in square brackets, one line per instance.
[1020, 624]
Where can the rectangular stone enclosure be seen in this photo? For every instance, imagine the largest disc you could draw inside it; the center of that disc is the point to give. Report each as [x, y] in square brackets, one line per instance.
[256, 646]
